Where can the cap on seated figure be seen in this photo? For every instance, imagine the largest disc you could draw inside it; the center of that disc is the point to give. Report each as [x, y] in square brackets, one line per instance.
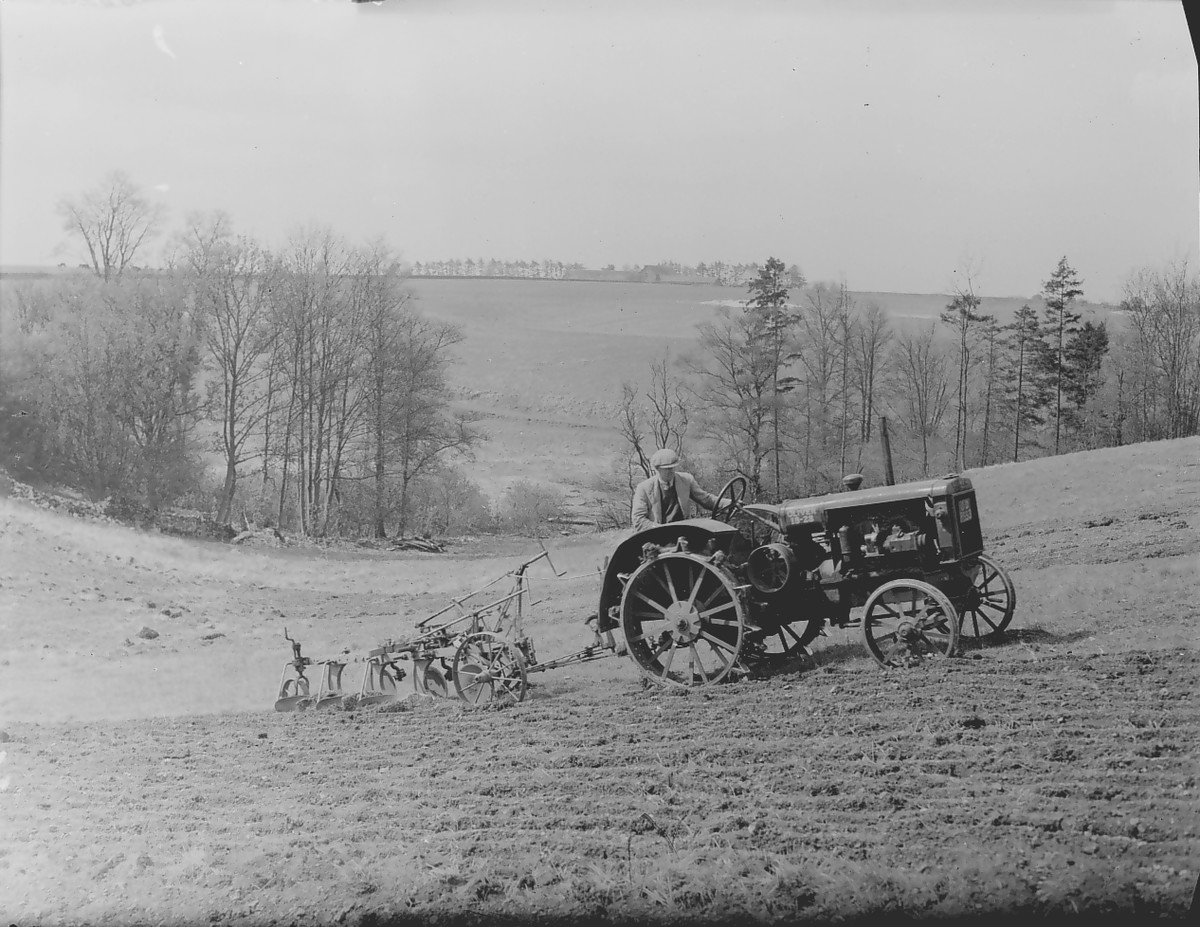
[664, 457]
[852, 481]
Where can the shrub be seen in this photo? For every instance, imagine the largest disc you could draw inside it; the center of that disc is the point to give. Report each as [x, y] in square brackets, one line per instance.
[447, 503]
[526, 508]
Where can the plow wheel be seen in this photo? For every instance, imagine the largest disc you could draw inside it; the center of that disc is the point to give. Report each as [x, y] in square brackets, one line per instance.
[989, 603]
[683, 620]
[907, 621]
[487, 668]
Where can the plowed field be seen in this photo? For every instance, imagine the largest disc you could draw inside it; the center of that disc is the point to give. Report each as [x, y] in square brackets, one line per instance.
[1051, 775]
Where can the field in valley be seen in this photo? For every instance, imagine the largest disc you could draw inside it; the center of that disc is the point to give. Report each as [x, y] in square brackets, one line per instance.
[1051, 775]
[542, 362]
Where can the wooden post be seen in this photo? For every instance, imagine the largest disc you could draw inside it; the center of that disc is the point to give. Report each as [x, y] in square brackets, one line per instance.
[887, 450]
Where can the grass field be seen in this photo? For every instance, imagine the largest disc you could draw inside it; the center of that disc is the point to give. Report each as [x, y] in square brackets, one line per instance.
[1051, 776]
[542, 361]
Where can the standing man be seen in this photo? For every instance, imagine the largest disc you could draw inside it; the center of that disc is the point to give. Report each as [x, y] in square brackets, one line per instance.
[668, 495]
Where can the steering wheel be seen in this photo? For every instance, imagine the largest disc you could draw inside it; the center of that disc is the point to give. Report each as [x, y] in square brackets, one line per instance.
[735, 489]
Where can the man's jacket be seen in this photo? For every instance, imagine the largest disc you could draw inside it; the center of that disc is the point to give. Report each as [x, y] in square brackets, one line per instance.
[648, 500]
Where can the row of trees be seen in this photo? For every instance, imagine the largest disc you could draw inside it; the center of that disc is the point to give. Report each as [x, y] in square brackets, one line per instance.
[717, 272]
[790, 392]
[529, 270]
[307, 369]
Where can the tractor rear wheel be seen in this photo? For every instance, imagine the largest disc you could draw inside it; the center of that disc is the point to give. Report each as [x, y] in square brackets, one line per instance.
[683, 620]
[488, 668]
[907, 621]
[989, 603]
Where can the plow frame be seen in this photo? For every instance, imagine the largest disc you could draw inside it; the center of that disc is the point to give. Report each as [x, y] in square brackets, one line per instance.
[481, 654]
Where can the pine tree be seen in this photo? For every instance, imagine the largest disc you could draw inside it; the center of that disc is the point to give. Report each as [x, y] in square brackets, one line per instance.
[768, 303]
[1084, 355]
[1059, 325]
[1026, 390]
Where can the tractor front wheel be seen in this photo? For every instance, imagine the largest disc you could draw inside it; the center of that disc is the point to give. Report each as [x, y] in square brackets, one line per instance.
[906, 622]
[988, 605]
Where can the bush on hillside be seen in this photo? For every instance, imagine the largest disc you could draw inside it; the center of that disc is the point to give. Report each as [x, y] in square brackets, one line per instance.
[446, 503]
[526, 508]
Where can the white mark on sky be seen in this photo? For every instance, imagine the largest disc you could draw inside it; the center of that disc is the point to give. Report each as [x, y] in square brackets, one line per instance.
[160, 42]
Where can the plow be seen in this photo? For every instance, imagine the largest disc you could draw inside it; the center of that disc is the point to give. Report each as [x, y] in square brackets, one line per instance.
[474, 649]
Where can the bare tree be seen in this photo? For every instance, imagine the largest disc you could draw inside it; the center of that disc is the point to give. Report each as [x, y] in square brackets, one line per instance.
[116, 386]
[821, 345]
[112, 221]
[736, 391]
[231, 280]
[653, 417]
[992, 350]
[923, 372]
[1163, 307]
[871, 337]
[318, 347]
[420, 429]
[963, 318]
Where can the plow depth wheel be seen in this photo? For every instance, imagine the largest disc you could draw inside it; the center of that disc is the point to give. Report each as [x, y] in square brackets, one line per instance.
[989, 604]
[907, 621]
[488, 668]
[683, 620]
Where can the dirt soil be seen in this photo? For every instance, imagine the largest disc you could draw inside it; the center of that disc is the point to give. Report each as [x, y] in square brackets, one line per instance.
[146, 779]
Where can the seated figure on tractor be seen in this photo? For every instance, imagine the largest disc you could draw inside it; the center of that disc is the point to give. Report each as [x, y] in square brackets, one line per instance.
[667, 496]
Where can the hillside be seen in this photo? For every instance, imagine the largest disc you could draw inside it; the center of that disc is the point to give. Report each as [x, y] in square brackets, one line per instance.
[1050, 775]
[1083, 533]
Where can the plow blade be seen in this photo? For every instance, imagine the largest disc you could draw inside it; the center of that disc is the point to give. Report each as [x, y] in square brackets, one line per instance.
[295, 688]
[380, 685]
[429, 680]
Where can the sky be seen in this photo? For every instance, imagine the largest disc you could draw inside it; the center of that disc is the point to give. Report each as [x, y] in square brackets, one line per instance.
[892, 145]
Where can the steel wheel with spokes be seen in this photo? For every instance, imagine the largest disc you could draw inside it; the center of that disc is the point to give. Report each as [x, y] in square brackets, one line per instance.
[906, 622]
[988, 605]
[790, 641]
[487, 668]
[683, 620]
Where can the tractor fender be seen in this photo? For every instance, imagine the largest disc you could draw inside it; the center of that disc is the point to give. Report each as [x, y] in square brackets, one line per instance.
[627, 556]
